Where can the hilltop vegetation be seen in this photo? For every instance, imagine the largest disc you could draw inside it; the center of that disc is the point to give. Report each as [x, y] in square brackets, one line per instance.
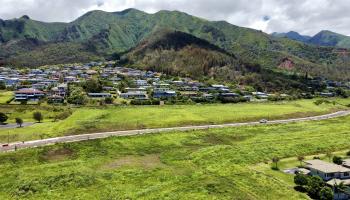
[209, 164]
[107, 35]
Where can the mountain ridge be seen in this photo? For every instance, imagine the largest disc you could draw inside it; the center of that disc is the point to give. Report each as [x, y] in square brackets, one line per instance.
[322, 38]
[103, 34]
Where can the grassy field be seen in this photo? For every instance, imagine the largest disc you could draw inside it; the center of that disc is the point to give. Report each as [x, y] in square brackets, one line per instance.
[87, 120]
[211, 164]
[5, 96]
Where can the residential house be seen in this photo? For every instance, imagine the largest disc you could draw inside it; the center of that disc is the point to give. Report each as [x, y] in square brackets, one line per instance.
[139, 95]
[326, 170]
[160, 93]
[141, 83]
[26, 94]
[99, 95]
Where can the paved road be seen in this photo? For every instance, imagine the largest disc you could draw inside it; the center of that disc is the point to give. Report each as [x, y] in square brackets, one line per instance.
[75, 138]
[10, 126]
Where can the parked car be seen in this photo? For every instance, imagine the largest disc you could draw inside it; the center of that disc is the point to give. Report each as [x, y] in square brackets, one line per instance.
[263, 121]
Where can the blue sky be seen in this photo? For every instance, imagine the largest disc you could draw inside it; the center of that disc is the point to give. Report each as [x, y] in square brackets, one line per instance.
[305, 16]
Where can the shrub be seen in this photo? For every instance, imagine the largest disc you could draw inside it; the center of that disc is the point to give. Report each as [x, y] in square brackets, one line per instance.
[37, 116]
[2, 85]
[145, 102]
[3, 118]
[348, 153]
[337, 160]
[63, 115]
[108, 100]
[301, 179]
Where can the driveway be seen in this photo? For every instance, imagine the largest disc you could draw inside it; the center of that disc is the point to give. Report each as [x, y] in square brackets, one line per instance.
[11, 125]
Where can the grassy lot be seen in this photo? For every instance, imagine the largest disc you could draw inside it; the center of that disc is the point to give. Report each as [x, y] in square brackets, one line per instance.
[208, 164]
[85, 120]
[5, 96]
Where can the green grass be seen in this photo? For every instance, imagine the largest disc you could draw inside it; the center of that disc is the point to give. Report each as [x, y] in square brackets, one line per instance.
[5, 96]
[210, 164]
[88, 120]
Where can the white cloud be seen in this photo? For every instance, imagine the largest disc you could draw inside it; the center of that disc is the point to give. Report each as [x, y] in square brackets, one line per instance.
[304, 16]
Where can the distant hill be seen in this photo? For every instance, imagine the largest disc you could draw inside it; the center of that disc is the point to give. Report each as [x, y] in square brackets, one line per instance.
[182, 54]
[323, 38]
[103, 35]
[328, 38]
[179, 53]
[292, 35]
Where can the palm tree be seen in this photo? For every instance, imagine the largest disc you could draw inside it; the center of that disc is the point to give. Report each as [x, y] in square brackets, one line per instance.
[339, 188]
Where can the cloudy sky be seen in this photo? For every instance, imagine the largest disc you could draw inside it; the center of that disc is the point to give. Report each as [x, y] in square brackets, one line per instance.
[304, 16]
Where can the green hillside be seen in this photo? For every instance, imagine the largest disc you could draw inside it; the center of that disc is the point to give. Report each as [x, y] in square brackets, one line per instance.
[181, 54]
[105, 33]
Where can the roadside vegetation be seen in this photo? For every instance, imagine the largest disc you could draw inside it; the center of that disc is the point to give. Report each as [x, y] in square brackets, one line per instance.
[60, 121]
[210, 164]
[5, 96]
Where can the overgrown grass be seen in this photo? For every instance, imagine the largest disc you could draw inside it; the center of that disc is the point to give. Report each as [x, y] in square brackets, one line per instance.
[88, 120]
[5, 96]
[210, 164]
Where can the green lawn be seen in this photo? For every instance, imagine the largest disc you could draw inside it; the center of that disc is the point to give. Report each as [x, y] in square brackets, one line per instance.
[210, 164]
[5, 96]
[87, 120]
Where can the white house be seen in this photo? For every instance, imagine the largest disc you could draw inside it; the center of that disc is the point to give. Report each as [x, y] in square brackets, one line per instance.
[326, 170]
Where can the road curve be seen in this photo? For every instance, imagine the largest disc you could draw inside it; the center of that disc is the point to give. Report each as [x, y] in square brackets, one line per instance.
[92, 136]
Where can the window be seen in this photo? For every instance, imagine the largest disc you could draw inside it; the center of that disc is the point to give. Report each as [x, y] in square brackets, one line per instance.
[346, 173]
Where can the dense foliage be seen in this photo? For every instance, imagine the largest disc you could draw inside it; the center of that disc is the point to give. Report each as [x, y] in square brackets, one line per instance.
[314, 186]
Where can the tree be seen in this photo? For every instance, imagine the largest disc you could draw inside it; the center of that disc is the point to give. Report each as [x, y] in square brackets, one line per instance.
[301, 179]
[3, 118]
[77, 96]
[315, 185]
[301, 159]
[93, 86]
[37, 116]
[326, 193]
[337, 160]
[2, 85]
[275, 160]
[19, 122]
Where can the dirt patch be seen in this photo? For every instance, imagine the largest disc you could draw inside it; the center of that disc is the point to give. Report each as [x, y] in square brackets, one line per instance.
[57, 154]
[151, 161]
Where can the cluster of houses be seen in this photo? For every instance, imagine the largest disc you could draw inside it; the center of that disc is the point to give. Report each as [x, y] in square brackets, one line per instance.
[52, 83]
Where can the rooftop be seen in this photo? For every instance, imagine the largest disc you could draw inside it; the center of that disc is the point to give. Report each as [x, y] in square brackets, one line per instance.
[326, 166]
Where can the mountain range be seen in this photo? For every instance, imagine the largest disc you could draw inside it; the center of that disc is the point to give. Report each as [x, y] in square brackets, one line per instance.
[323, 38]
[143, 40]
